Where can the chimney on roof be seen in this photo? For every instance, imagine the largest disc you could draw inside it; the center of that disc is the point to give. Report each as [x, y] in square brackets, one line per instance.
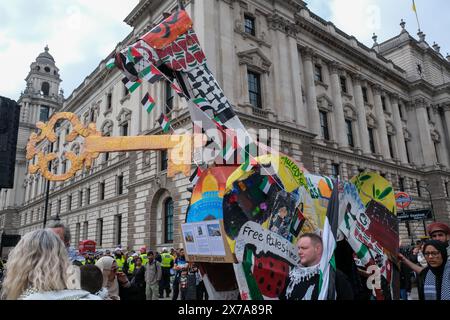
[448, 57]
[436, 47]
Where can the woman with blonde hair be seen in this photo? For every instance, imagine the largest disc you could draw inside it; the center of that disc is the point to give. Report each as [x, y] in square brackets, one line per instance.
[39, 269]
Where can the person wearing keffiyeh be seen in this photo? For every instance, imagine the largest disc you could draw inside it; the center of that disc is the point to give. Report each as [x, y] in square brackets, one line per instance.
[434, 280]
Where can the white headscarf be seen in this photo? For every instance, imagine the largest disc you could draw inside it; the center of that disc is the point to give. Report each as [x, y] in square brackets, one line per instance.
[105, 264]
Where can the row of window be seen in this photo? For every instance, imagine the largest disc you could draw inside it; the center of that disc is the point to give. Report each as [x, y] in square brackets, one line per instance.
[101, 194]
[350, 137]
[168, 210]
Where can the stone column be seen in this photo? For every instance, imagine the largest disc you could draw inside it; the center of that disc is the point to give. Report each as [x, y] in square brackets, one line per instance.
[362, 120]
[379, 113]
[443, 152]
[341, 135]
[311, 95]
[426, 143]
[285, 85]
[244, 96]
[401, 148]
[446, 121]
[226, 51]
[299, 108]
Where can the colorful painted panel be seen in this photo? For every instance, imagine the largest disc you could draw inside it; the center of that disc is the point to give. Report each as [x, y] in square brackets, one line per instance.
[207, 196]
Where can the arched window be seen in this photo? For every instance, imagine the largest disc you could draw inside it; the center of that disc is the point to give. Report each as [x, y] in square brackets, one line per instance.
[168, 220]
[45, 88]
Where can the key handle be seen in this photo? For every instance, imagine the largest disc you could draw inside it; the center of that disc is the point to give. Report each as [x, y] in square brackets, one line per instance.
[47, 132]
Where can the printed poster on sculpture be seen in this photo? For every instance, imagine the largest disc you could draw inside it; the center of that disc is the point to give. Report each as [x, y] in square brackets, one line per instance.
[205, 242]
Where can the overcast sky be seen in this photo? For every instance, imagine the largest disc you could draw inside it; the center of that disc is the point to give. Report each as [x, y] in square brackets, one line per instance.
[81, 33]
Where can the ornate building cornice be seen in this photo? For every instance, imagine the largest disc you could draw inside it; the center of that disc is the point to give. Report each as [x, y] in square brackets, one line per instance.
[277, 22]
[351, 52]
[256, 59]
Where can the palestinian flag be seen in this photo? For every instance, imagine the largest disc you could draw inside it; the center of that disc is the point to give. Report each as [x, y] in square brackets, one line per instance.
[195, 176]
[151, 74]
[111, 64]
[247, 166]
[132, 55]
[131, 86]
[177, 90]
[327, 265]
[230, 146]
[164, 122]
[266, 184]
[298, 222]
[148, 103]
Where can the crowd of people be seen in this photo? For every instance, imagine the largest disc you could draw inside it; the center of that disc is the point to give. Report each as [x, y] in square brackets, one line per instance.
[43, 266]
[427, 266]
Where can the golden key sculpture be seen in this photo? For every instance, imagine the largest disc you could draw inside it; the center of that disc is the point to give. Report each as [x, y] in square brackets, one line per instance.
[179, 147]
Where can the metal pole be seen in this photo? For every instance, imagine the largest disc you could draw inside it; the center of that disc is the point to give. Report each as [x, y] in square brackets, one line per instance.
[47, 192]
[432, 207]
[431, 202]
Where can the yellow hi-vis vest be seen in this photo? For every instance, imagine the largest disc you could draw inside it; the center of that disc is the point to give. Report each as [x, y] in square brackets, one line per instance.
[120, 262]
[144, 259]
[166, 259]
[131, 266]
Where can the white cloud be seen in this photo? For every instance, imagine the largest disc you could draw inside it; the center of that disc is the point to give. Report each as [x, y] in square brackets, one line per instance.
[79, 33]
[359, 18]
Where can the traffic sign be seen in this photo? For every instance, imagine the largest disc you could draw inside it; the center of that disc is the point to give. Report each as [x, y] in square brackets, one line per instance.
[402, 200]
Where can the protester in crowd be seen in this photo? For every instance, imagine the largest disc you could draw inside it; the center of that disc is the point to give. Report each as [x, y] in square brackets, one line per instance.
[192, 282]
[120, 260]
[91, 280]
[138, 280]
[421, 261]
[89, 259]
[143, 255]
[64, 233]
[167, 263]
[152, 277]
[434, 280]
[39, 269]
[310, 250]
[131, 265]
[112, 280]
[405, 281]
[182, 283]
[179, 265]
[437, 231]
[441, 232]
[158, 257]
[202, 294]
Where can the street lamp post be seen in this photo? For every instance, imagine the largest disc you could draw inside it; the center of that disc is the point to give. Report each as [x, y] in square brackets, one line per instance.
[432, 207]
[431, 201]
[47, 191]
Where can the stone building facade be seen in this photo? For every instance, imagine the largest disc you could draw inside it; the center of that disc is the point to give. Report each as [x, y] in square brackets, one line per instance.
[340, 108]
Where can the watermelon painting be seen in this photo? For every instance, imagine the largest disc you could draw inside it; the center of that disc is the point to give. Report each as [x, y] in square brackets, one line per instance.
[266, 274]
